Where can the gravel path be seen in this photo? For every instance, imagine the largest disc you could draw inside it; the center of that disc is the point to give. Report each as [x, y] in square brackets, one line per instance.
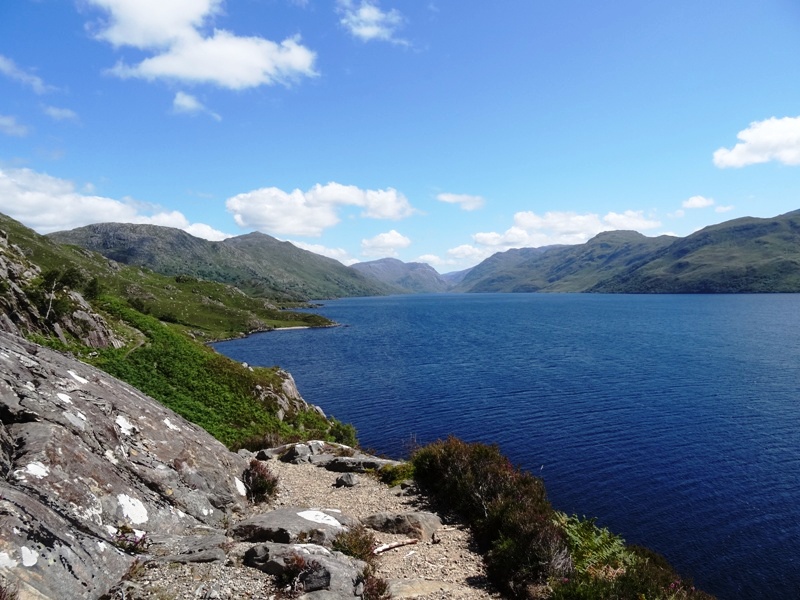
[450, 560]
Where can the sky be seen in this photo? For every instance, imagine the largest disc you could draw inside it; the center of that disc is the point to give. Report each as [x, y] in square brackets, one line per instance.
[437, 131]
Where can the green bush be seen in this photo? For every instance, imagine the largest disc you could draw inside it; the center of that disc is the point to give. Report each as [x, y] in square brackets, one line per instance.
[358, 542]
[393, 475]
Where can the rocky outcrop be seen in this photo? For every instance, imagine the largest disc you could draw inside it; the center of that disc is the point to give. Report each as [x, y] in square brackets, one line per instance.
[91, 468]
[18, 312]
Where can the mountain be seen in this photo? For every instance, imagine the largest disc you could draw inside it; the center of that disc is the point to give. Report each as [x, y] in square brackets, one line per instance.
[256, 263]
[415, 278]
[742, 255]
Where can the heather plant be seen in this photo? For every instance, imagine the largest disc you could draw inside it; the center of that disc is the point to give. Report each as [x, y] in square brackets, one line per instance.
[127, 539]
[358, 542]
[393, 475]
[260, 482]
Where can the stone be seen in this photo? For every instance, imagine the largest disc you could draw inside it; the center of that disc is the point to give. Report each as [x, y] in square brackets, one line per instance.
[347, 480]
[292, 524]
[360, 463]
[413, 588]
[82, 453]
[296, 454]
[421, 525]
[326, 574]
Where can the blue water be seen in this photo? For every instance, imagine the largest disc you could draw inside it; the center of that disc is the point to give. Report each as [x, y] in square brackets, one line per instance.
[674, 419]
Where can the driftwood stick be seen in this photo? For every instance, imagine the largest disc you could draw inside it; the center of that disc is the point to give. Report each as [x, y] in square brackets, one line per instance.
[386, 547]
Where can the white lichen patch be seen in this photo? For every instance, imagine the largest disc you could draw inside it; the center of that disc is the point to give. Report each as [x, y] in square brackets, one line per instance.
[29, 557]
[126, 426]
[109, 454]
[101, 546]
[28, 385]
[75, 420]
[38, 470]
[170, 425]
[133, 509]
[6, 562]
[317, 516]
[240, 486]
[64, 398]
[314, 549]
[77, 377]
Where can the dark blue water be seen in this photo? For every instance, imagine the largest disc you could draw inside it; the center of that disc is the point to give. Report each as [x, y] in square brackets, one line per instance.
[674, 419]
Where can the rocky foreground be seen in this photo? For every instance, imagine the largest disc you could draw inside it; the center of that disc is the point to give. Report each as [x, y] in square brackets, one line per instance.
[105, 493]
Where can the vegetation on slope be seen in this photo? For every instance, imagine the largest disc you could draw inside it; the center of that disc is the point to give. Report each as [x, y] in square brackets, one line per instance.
[532, 551]
[256, 263]
[163, 322]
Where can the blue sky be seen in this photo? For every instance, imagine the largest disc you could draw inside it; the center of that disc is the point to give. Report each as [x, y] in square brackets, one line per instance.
[439, 131]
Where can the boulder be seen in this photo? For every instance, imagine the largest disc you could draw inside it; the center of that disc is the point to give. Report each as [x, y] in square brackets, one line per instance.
[291, 524]
[360, 463]
[315, 570]
[421, 525]
[346, 480]
[84, 457]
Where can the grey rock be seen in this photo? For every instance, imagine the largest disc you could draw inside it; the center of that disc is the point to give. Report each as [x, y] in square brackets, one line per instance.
[291, 524]
[360, 463]
[327, 574]
[347, 480]
[421, 525]
[81, 453]
[296, 454]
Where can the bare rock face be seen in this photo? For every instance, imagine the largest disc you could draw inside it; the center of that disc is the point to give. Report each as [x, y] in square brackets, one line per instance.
[85, 457]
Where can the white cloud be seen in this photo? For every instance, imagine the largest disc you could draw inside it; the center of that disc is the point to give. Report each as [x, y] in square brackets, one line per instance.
[184, 103]
[60, 114]
[10, 126]
[11, 70]
[723, 209]
[764, 141]
[309, 213]
[384, 244]
[339, 254]
[465, 201]
[531, 230]
[47, 204]
[174, 31]
[697, 202]
[434, 260]
[366, 21]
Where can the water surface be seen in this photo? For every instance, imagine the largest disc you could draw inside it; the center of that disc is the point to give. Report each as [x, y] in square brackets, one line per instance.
[674, 419]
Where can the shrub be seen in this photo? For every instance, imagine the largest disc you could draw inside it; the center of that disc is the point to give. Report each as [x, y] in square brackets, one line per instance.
[393, 475]
[128, 540]
[375, 588]
[506, 508]
[358, 542]
[261, 483]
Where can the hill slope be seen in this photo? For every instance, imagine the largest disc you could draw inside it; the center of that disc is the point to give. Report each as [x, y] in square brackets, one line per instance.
[419, 278]
[742, 255]
[256, 263]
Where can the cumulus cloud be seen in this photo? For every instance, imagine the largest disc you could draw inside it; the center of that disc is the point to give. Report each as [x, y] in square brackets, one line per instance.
[366, 21]
[47, 204]
[183, 51]
[384, 244]
[184, 103]
[723, 209]
[60, 114]
[10, 126]
[531, 230]
[764, 141]
[465, 201]
[12, 71]
[340, 254]
[309, 213]
[697, 202]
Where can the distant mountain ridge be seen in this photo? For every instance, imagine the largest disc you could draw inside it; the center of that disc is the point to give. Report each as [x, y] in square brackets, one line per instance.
[256, 263]
[414, 277]
[748, 255]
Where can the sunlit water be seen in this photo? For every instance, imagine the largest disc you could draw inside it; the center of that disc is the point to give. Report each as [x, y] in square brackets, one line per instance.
[674, 419]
